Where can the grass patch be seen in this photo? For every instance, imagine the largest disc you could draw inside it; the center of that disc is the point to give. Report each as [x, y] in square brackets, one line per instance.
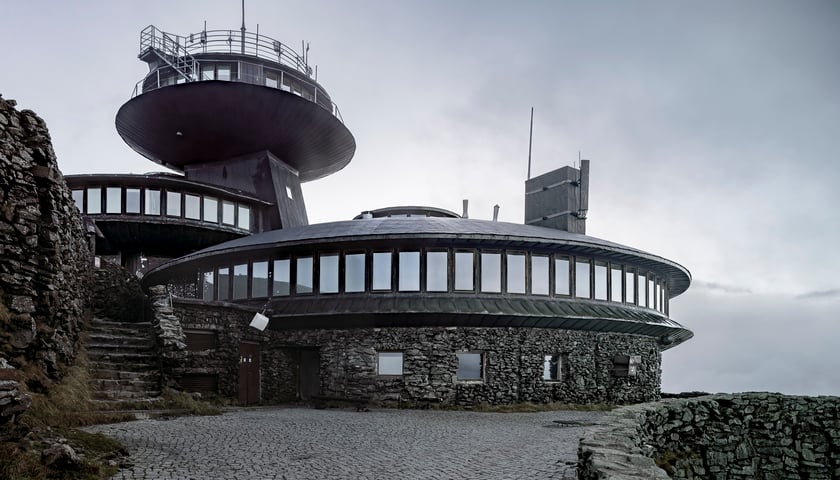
[67, 404]
[18, 463]
[175, 400]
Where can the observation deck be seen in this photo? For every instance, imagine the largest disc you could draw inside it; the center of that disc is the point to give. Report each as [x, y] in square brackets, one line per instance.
[221, 94]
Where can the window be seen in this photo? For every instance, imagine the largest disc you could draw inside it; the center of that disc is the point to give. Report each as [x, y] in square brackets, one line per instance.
[280, 280]
[464, 275]
[651, 303]
[600, 281]
[94, 200]
[470, 366]
[192, 206]
[79, 199]
[132, 200]
[641, 289]
[224, 283]
[381, 271]
[304, 275]
[582, 278]
[207, 285]
[228, 212]
[271, 80]
[516, 273]
[259, 279]
[436, 271]
[289, 193]
[551, 367]
[152, 204]
[328, 279]
[539, 275]
[389, 363]
[409, 275]
[113, 200]
[240, 281]
[207, 72]
[243, 220]
[615, 284]
[629, 287]
[354, 272]
[491, 272]
[173, 204]
[561, 276]
[223, 72]
[211, 210]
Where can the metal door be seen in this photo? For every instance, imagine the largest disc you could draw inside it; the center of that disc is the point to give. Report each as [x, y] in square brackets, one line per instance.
[249, 373]
[310, 380]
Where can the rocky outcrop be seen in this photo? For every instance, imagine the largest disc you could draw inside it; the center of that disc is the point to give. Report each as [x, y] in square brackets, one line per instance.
[732, 436]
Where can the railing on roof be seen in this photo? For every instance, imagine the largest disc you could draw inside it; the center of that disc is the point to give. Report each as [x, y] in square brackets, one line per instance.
[177, 53]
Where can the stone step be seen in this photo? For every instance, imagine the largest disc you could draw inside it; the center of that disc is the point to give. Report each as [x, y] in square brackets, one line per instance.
[120, 404]
[121, 357]
[106, 347]
[108, 337]
[124, 366]
[125, 385]
[109, 322]
[123, 373]
[127, 330]
[125, 394]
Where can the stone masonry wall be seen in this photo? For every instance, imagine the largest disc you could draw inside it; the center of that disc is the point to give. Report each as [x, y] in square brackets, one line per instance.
[348, 361]
[732, 436]
[44, 258]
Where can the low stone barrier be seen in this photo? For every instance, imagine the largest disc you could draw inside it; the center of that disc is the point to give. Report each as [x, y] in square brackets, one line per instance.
[725, 436]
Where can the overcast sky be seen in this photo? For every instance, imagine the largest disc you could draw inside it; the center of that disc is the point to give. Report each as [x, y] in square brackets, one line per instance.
[713, 129]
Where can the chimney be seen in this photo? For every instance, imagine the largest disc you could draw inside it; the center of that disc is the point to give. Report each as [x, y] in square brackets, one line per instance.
[466, 208]
[496, 213]
[559, 199]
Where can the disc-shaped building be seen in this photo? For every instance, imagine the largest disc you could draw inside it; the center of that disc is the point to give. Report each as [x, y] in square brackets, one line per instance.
[406, 304]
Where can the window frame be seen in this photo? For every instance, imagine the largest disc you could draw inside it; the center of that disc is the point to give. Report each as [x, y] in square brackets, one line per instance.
[379, 356]
[482, 367]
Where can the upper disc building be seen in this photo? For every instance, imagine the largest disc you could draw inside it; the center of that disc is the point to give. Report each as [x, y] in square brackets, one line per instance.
[413, 304]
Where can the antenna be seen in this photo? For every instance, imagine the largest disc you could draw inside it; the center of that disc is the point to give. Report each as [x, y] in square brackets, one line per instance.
[243, 27]
[530, 140]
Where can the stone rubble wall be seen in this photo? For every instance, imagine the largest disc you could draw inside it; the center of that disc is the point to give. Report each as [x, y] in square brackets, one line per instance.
[348, 361]
[44, 259]
[725, 436]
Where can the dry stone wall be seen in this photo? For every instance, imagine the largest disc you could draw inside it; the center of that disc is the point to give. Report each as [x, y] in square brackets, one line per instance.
[513, 361]
[731, 436]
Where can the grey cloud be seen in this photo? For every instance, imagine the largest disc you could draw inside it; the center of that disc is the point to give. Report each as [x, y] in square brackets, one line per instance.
[820, 294]
[719, 287]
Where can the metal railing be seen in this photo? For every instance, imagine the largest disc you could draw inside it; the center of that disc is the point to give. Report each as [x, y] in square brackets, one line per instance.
[177, 52]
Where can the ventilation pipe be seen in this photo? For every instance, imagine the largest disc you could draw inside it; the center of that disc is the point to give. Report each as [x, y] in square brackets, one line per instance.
[496, 213]
[466, 209]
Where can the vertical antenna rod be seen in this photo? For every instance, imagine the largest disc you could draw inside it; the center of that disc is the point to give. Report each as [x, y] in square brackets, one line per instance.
[530, 140]
[243, 27]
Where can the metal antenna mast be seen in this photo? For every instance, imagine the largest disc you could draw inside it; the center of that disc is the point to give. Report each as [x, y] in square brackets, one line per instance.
[243, 27]
[530, 140]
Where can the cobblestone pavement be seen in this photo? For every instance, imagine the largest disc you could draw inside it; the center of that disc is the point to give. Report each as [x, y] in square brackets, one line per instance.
[301, 443]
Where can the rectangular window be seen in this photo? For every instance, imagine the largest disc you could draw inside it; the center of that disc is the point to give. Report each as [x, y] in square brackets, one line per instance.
[354, 272]
[289, 193]
[658, 297]
[409, 275]
[223, 277]
[600, 281]
[228, 213]
[243, 220]
[615, 284]
[328, 273]
[271, 80]
[630, 286]
[223, 73]
[79, 199]
[240, 281]
[651, 303]
[552, 365]
[152, 204]
[207, 286]
[437, 264]
[304, 275]
[207, 72]
[192, 206]
[561, 276]
[491, 272]
[94, 200]
[470, 366]
[113, 200]
[516, 273]
[259, 279]
[582, 278]
[132, 200]
[641, 289]
[173, 204]
[389, 363]
[381, 271]
[280, 280]
[464, 270]
[539, 275]
[211, 210]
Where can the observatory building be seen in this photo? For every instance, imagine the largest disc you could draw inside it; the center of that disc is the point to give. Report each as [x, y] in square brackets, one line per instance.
[407, 304]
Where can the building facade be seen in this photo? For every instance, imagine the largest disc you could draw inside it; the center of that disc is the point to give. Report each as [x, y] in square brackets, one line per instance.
[400, 304]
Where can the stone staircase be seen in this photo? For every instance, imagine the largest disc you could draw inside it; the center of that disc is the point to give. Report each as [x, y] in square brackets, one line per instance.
[123, 363]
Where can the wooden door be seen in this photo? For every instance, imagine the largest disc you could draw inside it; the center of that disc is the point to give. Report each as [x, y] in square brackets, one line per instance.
[310, 374]
[249, 373]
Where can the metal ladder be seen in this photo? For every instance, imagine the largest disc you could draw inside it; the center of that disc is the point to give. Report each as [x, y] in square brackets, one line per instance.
[171, 51]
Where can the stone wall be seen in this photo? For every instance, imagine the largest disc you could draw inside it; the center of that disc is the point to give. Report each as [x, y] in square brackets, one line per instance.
[348, 361]
[44, 256]
[732, 436]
